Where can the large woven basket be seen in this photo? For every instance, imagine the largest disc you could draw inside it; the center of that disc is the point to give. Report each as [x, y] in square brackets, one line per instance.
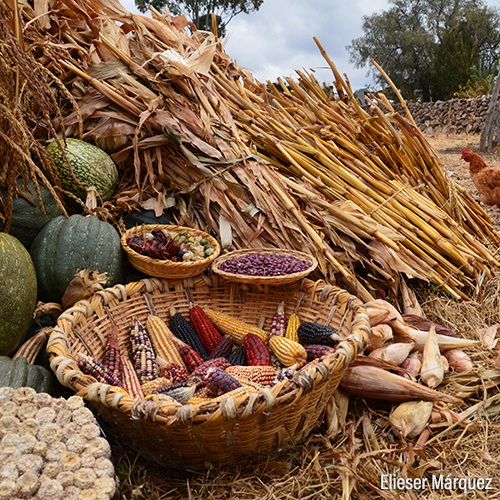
[227, 433]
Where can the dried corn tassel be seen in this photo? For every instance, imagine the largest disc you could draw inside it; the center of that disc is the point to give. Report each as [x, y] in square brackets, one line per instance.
[279, 322]
[379, 335]
[336, 412]
[262, 375]
[445, 342]
[432, 371]
[410, 418]
[233, 327]
[163, 342]
[288, 352]
[143, 355]
[396, 353]
[130, 381]
[292, 327]
[459, 361]
[411, 365]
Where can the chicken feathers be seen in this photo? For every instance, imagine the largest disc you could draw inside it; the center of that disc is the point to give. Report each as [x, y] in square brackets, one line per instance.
[485, 178]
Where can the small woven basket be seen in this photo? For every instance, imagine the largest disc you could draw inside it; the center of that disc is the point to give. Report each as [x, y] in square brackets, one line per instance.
[264, 280]
[166, 268]
[234, 431]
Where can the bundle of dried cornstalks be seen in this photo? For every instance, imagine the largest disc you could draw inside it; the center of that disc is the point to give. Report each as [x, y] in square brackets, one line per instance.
[261, 166]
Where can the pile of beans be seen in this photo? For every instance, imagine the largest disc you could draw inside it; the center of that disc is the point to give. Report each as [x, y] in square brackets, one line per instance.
[264, 264]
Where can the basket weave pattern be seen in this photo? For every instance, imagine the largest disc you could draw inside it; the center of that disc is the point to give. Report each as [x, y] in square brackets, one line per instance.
[235, 431]
[167, 268]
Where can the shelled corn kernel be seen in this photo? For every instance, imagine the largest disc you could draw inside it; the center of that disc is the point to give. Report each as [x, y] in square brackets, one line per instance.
[51, 448]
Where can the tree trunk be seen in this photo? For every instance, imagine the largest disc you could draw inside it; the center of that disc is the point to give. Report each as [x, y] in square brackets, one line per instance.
[486, 141]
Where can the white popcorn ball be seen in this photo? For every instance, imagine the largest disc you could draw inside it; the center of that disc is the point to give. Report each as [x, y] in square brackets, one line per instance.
[8, 425]
[104, 467]
[30, 463]
[29, 426]
[105, 486]
[76, 444]
[87, 460]
[7, 488]
[83, 416]
[23, 394]
[27, 484]
[8, 408]
[10, 440]
[66, 478]
[42, 399]
[50, 490]
[9, 471]
[59, 404]
[75, 402]
[55, 451]
[91, 431]
[9, 454]
[99, 447]
[40, 448]
[71, 461]
[63, 417]
[45, 415]
[88, 494]
[71, 493]
[26, 443]
[85, 478]
[70, 430]
[26, 410]
[51, 470]
[5, 394]
[50, 433]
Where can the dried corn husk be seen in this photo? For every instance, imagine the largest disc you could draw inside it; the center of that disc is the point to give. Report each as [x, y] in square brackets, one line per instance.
[421, 323]
[371, 381]
[377, 314]
[379, 336]
[381, 308]
[432, 371]
[444, 341]
[488, 336]
[336, 412]
[458, 360]
[410, 418]
[396, 353]
[410, 302]
[412, 365]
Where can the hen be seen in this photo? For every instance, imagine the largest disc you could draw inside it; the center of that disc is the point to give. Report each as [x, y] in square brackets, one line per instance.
[486, 179]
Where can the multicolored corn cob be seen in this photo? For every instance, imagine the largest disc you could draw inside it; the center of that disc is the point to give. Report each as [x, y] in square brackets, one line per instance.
[162, 339]
[208, 334]
[314, 333]
[315, 351]
[233, 327]
[175, 373]
[130, 381]
[223, 348]
[219, 382]
[143, 354]
[292, 327]
[184, 330]
[237, 357]
[190, 357]
[279, 321]
[202, 370]
[101, 373]
[288, 352]
[151, 386]
[112, 358]
[256, 351]
[285, 374]
[262, 375]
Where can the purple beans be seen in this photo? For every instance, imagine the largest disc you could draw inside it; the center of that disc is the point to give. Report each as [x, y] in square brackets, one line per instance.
[264, 264]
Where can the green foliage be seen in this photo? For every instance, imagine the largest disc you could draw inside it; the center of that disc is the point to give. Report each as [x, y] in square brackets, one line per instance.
[427, 46]
[199, 12]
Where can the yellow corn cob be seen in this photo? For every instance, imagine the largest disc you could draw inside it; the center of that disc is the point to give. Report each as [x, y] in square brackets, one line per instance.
[153, 385]
[233, 327]
[130, 381]
[288, 352]
[162, 339]
[262, 375]
[292, 327]
[240, 391]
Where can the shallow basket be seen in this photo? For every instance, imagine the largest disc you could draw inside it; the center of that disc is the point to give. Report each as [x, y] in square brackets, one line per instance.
[166, 268]
[264, 280]
[234, 431]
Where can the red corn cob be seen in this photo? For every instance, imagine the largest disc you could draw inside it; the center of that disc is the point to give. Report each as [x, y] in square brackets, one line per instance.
[190, 357]
[256, 351]
[223, 348]
[101, 373]
[175, 373]
[208, 334]
[219, 382]
[317, 351]
[112, 358]
[201, 370]
[278, 324]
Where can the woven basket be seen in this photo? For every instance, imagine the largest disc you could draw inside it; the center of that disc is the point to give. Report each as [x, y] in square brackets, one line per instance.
[166, 268]
[235, 431]
[264, 280]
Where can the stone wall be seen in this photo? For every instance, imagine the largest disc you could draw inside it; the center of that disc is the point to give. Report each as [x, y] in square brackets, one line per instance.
[457, 116]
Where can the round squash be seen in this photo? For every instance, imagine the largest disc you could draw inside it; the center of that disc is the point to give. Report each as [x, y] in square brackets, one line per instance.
[19, 373]
[18, 292]
[92, 166]
[27, 219]
[67, 245]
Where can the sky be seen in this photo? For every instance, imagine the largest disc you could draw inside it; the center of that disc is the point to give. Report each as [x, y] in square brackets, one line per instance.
[277, 40]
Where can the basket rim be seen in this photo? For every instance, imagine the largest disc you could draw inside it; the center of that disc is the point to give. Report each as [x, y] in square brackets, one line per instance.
[166, 264]
[262, 280]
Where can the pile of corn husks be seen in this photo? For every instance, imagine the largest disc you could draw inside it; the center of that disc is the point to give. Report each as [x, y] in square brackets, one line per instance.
[254, 165]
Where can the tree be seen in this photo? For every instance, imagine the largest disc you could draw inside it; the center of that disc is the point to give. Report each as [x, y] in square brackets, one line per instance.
[427, 46]
[199, 12]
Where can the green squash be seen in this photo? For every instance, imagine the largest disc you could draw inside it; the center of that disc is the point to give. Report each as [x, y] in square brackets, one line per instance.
[27, 219]
[67, 245]
[92, 166]
[18, 292]
[19, 373]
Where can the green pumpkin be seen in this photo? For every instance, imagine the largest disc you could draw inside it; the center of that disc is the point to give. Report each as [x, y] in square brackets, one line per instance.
[19, 373]
[27, 219]
[92, 166]
[66, 245]
[18, 292]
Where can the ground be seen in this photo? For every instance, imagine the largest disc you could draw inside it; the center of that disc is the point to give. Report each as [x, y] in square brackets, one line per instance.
[449, 149]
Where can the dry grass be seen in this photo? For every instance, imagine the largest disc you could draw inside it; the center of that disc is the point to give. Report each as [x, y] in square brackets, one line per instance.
[351, 464]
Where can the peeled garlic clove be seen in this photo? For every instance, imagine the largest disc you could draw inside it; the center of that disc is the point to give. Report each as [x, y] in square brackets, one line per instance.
[379, 335]
[396, 353]
[432, 371]
[458, 360]
[410, 418]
